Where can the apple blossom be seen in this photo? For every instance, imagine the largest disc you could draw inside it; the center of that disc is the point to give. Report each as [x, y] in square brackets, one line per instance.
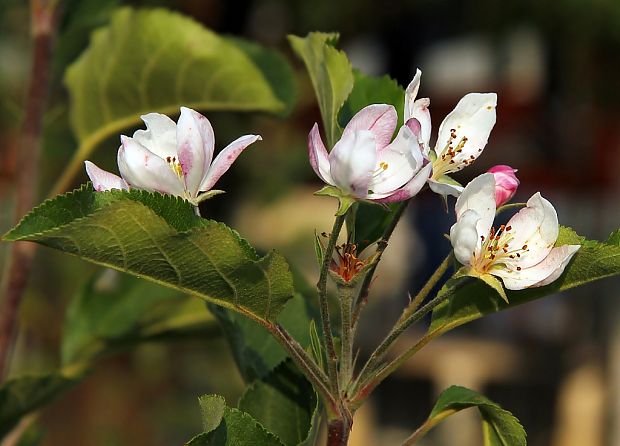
[506, 183]
[171, 158]
[463, 134]
[522, 252]
[364, 164]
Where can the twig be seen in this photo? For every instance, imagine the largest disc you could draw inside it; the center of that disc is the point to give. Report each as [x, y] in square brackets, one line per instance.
[44, 17]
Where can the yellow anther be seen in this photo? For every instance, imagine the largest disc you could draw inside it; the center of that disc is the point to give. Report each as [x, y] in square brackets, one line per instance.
[383, 165]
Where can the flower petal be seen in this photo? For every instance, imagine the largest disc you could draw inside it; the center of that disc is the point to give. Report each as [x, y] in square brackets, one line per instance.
[472, 118]
[536, 227]
[195, 142]
[397, 163]
[380, 119]
[479, 195]
[423, 115]
[319, 159]
[465, 237]
[543, 273]
[102, 179]
[225, 158]
[411, 188]
[444, 189]
[142, 169]
[160, 136]
[411, 93]
[352, 162]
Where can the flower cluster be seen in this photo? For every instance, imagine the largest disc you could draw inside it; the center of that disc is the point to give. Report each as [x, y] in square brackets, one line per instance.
[365, 165]
[368, 164]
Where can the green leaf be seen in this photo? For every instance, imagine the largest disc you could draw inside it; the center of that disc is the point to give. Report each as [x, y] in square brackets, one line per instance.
[315, 344]
[21, 395]
[371, 221]
[500, 427]
[154, 237]
[236, 429]
[331, 75]
[156, 60]
[212, 408]
[372, 90]
[283, 402]
[594, 261]
[256, 352]
[116, 310]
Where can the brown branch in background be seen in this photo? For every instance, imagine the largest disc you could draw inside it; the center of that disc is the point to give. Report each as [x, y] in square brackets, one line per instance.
[43, 23]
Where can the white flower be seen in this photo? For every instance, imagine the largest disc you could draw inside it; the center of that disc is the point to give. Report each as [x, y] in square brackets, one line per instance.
[171, 158]
[522, 252]
[364, 164]
[463, 134]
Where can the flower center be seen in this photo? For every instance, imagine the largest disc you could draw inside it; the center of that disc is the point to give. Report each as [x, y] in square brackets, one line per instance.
[347, 265]
[496, 250]
[450, 160]
[175, 165]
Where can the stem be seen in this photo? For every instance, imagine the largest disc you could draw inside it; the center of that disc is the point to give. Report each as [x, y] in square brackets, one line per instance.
[426, 289]
[338, 432]
[403, 323]
[43, 15]
[365, 388]
[381, 245]
[345, 293]
[328, 338]
[310, 369]
[427, 426]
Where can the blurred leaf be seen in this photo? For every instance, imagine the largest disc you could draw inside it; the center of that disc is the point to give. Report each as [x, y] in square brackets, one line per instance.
[500, 427]
[79, 19]
[157, 60]
[594, 261]
[236, 429]
[115, 310]
[372, 90]
[212, 408]
[21, 395]
[256, 352]
[157, 237]
[331, 75]
[283, 402]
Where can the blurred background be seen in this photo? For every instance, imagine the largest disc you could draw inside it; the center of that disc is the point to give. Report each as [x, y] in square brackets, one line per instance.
[554, 363]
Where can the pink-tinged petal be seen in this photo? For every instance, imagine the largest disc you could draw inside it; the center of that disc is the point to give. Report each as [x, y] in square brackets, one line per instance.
[465, 237]
[471, 121]
[195, 142]
[536, 228]
[479, 195]
[397, 163]
[225, 158]
[142, 169]
[380, 119]
[411, 93]
[506, 183]
[410, 189]
[543, 273]
[319, 159]
[160, 136]
[102, 179]
[352, 162]
[445, 189]
[421, 112]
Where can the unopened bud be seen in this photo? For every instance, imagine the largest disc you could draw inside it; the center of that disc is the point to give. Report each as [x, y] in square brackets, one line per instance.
[506, 183]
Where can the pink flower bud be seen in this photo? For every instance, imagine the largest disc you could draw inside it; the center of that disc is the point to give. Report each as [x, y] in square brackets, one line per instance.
[506, 183]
